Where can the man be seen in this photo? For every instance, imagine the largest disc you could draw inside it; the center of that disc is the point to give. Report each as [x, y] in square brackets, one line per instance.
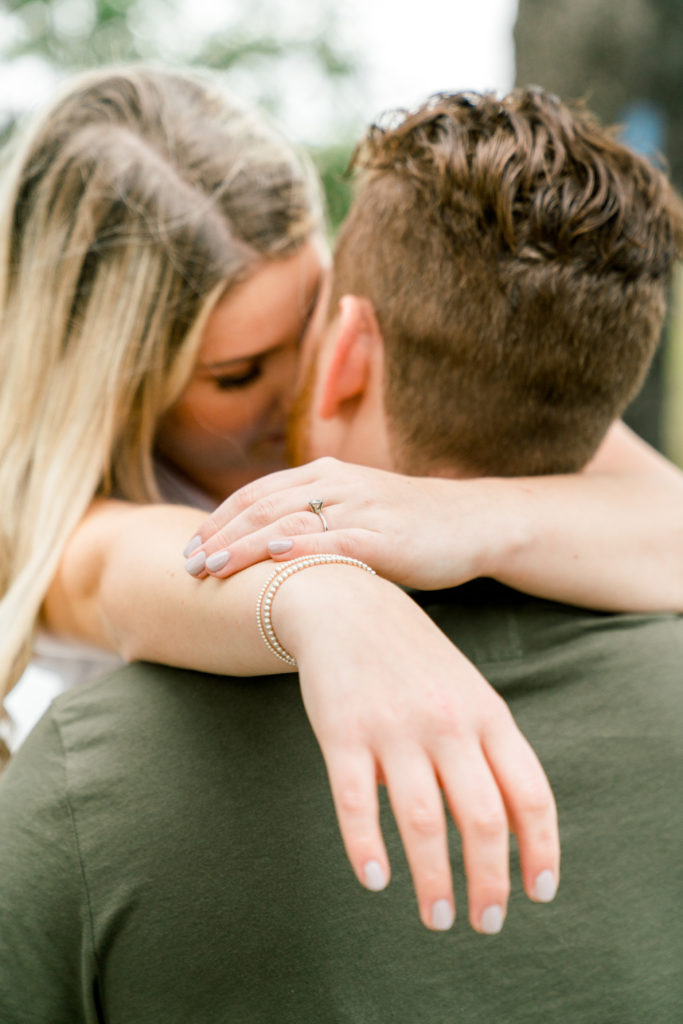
[171, 851]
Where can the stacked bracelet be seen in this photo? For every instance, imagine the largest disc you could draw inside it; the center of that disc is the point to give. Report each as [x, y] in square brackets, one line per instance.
[273, 584]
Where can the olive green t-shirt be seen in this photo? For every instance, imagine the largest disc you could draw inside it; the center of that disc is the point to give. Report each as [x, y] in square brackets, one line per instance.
[169, 852]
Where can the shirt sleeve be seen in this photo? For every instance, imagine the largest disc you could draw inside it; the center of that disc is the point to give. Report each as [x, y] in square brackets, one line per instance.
[46, 965]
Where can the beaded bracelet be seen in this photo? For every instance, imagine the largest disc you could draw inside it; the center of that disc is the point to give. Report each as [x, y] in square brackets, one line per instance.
[273, 584]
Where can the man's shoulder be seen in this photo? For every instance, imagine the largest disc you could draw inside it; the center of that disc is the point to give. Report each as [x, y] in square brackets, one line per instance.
[142, 704]
[497, 626]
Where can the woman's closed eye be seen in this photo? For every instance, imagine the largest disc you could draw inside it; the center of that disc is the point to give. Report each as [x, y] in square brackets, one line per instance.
[233, 381]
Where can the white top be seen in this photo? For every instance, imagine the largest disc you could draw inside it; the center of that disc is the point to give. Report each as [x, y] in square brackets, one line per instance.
[58, 664]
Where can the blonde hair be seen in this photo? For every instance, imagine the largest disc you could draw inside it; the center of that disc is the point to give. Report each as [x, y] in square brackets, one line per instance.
[130, 207]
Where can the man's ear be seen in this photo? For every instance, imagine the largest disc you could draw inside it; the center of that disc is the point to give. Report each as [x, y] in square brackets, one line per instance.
[347, 373]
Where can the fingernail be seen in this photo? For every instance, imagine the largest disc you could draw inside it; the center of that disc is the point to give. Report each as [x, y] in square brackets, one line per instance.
[195, 564]
[492, 920]
[276, 547]
[192, 545]
[217, 560]
[442, 915]
[545, 887]
[375, 879]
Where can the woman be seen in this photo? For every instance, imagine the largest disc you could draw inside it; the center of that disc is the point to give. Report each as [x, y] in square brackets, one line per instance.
[177, 241]
[132, 207]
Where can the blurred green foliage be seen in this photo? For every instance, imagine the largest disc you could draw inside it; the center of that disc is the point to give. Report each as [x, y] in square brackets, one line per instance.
[332, 163]
[86, 33]
[259, 44]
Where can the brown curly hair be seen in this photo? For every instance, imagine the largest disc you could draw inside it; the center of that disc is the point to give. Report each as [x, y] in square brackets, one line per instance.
[518, 258]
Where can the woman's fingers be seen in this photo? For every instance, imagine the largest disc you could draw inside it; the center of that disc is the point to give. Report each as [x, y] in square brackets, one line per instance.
[481, 797]
[281, 526]
[280, 518]
[530, 805]
[479, 812]
[245, 539]
[478, 808]
[257, 547]
[272, 488]
[418, 808]
[353, 781]
[267, 511]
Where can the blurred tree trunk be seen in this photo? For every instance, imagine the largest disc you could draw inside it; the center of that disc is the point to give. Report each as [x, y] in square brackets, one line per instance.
[625, 58]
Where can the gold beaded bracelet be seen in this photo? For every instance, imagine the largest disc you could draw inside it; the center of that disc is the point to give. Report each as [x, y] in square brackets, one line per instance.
[273, 584]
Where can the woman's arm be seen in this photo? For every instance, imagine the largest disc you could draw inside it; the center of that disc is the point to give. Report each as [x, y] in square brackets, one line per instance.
[609, 538]
[121, 586]
[388, 695]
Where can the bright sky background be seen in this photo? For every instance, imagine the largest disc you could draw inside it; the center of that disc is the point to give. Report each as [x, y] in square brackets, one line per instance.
[407, 49]
[412, 48]
[416, 48]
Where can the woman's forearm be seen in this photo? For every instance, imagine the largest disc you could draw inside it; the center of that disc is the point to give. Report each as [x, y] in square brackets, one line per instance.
[610, 538]
[386, 692]
[122, 586]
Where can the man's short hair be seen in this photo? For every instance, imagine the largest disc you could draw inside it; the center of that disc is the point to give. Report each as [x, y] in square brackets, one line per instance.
[518, 258]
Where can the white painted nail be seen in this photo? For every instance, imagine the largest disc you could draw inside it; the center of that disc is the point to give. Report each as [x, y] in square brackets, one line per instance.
[545, 887]
[375, 878]
[492, 920]
[192, 545]
[195, 564]
[217, 560]
[277, 547]
[442, 915]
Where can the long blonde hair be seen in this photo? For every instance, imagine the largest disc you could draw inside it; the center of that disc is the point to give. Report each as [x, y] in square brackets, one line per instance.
[128, 209]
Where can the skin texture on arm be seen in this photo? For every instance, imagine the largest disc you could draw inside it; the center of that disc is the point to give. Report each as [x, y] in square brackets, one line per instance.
[121, 586]
[610, 538]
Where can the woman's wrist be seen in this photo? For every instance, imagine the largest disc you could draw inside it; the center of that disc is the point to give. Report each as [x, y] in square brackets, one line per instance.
[333, 596]
[501, 523]
[279, 576]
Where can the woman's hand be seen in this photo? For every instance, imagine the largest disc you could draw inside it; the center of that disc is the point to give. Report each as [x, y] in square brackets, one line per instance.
[551, 536]
[424, 532]
[391, 700]
[389, 696]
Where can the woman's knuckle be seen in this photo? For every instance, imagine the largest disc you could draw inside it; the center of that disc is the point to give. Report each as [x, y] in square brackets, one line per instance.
[536, 800]
[296, 523]
[352, 800]
[424, 820]
[347, 545]
[444, 714]
[499, 715]
[264, 511]
[326, 464]
[342, 734]
[488, 822]
[434, 878]
[246, 496]
[212, 524]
